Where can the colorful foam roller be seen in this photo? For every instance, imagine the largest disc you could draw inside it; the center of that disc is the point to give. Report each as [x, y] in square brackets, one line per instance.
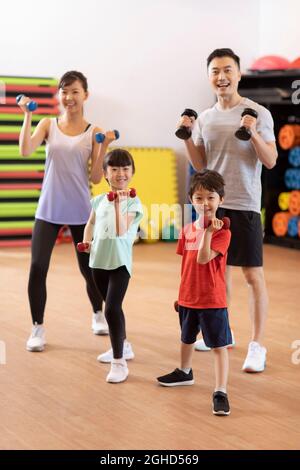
[294, 203]
[289, 136]
[292, 178]
[294, 156]
[283, 201]
[293, 226]
[280, 223]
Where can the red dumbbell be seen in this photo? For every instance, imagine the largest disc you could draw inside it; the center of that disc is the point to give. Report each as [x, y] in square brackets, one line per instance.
[112, 195]
[225, 220]
[81, 246]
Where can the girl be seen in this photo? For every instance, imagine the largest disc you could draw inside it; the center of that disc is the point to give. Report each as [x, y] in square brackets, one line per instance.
[110, 233]
[65, 195]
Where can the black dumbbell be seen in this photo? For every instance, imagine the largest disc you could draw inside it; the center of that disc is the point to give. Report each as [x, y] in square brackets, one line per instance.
[244, 133]
[184, 132]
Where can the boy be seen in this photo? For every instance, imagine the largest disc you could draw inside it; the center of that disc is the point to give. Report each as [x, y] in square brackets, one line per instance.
[202, 293]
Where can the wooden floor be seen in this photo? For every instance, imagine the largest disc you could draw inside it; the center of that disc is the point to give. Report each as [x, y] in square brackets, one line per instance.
[59, 399]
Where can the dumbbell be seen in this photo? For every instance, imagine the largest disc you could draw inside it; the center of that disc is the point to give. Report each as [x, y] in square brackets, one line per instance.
[184, 132]
[31, 106]
[81, 246]
[225, 220]
[112, 195]
[101, 137]
[244, 133]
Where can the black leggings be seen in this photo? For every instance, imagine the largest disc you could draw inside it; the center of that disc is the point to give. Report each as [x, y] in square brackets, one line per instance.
[113, 286]
[43, 239]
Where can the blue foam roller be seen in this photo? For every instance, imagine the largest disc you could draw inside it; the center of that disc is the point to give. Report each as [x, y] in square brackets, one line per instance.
[292, 178]
[293, 226]
[294, 156]
[31, 106]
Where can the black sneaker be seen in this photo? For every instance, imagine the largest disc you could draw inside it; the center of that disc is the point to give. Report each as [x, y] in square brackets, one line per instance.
[177, 377]
[221, 404]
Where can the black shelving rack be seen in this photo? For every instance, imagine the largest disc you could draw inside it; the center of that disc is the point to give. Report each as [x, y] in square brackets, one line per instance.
[279, 92]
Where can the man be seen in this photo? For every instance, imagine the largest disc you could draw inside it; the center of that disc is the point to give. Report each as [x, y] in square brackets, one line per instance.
[216, 147]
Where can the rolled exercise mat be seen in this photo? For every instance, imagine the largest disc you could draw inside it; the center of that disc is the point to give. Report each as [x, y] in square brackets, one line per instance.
[289, 136]
[280, 223]
[283, 201]
[294, 203]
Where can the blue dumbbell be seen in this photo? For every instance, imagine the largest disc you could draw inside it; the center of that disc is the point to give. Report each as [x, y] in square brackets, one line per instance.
[101, 137]
[294, 156]
[293, 226]
[31, 106]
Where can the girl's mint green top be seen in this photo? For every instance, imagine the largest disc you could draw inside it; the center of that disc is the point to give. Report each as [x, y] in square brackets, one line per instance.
[109, 251]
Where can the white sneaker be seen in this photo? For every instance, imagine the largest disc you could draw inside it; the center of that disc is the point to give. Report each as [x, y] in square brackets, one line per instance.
[256, 358]
[108, 355]
[37, 340]
[118, 372]
[201, 346]
[99, 324]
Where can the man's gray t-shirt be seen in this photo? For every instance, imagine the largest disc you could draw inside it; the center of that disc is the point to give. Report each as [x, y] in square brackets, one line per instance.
[234, 159]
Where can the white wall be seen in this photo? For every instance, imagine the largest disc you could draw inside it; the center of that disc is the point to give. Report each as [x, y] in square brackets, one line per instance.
[145, 59]
[279, 28]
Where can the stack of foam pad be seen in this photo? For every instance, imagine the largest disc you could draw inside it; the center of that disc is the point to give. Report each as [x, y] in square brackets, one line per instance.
[21, 178]
[287, 222]
[155, 180]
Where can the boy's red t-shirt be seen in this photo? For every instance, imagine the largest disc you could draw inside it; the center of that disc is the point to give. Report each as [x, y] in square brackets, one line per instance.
[202, 285]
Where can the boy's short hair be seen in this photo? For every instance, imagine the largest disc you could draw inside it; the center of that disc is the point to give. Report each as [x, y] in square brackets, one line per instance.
[207, 179]
[225, 52]
[70, 77]
[118, 157]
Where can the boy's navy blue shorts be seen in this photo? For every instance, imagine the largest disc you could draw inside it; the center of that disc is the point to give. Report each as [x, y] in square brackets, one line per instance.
[213, 322]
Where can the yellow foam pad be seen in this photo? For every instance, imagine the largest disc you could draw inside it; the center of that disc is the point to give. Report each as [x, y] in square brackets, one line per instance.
[155, 181]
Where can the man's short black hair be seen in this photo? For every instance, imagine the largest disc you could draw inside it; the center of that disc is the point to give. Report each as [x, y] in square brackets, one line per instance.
[225, 52]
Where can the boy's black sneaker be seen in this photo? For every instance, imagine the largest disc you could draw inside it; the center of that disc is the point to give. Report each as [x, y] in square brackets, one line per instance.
[177, 377]
[221, 404]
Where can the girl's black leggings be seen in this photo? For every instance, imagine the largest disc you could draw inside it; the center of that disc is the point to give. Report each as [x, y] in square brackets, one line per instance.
[113, 286]
[43, 240]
